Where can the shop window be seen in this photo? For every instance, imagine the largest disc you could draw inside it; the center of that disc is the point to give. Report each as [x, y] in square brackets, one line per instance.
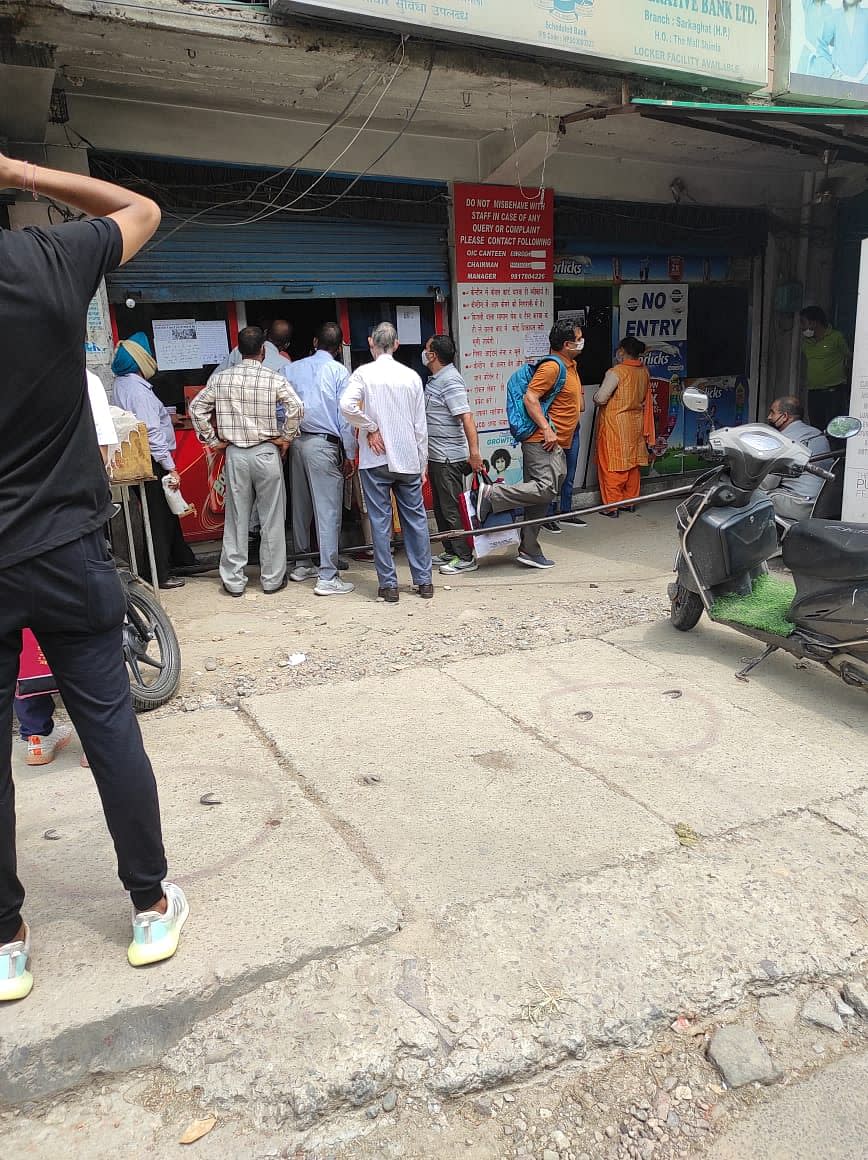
[306, 315]
[169, 385]
[366, 313]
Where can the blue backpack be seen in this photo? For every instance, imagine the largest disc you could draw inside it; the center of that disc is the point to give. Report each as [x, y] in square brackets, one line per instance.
[521, 426]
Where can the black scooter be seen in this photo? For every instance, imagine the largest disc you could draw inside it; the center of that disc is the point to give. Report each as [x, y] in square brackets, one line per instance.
[727, 534]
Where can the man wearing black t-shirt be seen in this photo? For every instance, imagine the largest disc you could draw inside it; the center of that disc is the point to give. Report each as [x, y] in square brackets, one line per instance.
[56, 574]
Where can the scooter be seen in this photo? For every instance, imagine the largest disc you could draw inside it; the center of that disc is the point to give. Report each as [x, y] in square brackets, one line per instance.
[727, 534]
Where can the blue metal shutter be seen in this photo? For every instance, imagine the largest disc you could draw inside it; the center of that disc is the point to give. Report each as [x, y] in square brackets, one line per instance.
[204, 262]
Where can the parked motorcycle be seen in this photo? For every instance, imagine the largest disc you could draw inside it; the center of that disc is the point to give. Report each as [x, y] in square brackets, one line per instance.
[727, 533]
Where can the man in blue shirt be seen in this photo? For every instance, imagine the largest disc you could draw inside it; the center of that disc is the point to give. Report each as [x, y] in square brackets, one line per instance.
[323, 457]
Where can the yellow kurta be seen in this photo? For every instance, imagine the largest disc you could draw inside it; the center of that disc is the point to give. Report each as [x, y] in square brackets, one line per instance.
[626, 421]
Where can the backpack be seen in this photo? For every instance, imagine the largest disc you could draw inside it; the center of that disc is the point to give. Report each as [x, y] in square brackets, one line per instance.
[521, 426]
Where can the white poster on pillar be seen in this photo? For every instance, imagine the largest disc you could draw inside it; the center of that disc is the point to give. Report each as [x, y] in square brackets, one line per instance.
[855, 508]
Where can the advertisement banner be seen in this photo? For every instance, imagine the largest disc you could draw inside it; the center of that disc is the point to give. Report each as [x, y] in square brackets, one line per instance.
[726, 40]
[504, 253]
[596, 266]
[657, 316]
[728, 399]
[825, 50]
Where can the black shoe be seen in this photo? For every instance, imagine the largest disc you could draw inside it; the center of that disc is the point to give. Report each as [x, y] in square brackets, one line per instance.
[229, 591]
[343, 564]
[279, 588]
[197, 569]
[483, 503]
[390, 595]
[426, 591]
[611, 515]
[552, 527]
[573, 522]
[633, 509]
[173, 582]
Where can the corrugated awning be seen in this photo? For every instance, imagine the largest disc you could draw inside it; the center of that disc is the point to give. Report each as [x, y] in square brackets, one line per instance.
[812, 130]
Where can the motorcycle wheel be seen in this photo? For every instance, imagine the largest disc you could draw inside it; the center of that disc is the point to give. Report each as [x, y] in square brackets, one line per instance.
[685, 608]
[151, 651]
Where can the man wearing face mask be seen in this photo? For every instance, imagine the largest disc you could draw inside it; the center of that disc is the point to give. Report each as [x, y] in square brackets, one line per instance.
[453, 447]
[827, 362]
[544, 453]
[794, 498]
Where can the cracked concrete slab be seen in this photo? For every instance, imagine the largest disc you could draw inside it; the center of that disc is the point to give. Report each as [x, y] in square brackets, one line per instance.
[850, 813]
[500, 990]
[686, 750]
[465, 803]
[271, 886]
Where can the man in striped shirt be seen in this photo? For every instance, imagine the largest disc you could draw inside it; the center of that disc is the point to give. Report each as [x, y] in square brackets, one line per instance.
[245, 399]
[386, 402]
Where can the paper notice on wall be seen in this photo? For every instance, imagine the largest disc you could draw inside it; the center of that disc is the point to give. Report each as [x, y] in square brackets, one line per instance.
[98, 334]
[536, 344]
[213, 342]
[410, 325]
[578, 316]
[176, 344]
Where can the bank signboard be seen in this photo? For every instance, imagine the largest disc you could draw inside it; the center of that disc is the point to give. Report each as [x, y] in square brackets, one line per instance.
[721, 40]
[822, 50]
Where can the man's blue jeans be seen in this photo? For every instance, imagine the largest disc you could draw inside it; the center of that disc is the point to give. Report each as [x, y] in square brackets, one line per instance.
[378, 489]
[566, 496]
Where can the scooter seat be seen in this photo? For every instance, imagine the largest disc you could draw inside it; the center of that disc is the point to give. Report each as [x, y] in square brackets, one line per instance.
[827, 548]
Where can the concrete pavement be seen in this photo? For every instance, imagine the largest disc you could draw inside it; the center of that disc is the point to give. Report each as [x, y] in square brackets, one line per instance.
[456, 875]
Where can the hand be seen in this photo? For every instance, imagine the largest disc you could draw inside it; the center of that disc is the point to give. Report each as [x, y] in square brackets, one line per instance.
[282, 446]
[550, 438]
[10, 176]
[425, 476]
[174, 480]
[475, 461]
[375, 442]
[220, 445]
[348, 468]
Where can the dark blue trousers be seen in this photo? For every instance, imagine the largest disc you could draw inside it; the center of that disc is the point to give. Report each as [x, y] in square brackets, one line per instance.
[74, 601]
[35, 715]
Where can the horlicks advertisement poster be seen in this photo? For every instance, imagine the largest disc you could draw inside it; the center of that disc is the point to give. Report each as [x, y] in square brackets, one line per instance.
[657, 316]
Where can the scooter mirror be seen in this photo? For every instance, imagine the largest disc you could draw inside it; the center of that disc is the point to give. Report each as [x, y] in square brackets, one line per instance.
[695, 400]
[844, 427]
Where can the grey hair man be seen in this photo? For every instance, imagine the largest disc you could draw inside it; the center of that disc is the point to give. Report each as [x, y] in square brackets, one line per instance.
[386, 402]
[794, 499]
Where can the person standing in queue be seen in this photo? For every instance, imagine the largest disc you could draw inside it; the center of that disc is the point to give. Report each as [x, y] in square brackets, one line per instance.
[323, 457]
[246, 398]
[625, 433]
[544, 453]
[134, 366]
[386, 402]
[453, 448]
[57, 576]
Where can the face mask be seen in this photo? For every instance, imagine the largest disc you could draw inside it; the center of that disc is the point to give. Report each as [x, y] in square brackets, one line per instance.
[426, 358]
[808, 333]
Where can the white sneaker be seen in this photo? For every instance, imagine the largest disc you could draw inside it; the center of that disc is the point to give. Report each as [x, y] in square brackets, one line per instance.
[336, 587]
[16, 981]
[43, 750]
[156, 936]
[304, 572]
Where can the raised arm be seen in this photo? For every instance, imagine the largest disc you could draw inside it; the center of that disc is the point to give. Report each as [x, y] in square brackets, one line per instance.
[137, 217]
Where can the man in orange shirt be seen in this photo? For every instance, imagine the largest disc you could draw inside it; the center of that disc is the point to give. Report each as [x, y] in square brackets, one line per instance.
[544, 458]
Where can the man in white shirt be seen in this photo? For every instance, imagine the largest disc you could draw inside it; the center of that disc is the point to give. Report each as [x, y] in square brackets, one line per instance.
[277, 340]
[386, 402]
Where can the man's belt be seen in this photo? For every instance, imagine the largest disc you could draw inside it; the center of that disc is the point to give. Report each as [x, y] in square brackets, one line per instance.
[324, 435]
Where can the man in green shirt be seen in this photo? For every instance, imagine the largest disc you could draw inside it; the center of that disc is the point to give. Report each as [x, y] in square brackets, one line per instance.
[827, 361]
